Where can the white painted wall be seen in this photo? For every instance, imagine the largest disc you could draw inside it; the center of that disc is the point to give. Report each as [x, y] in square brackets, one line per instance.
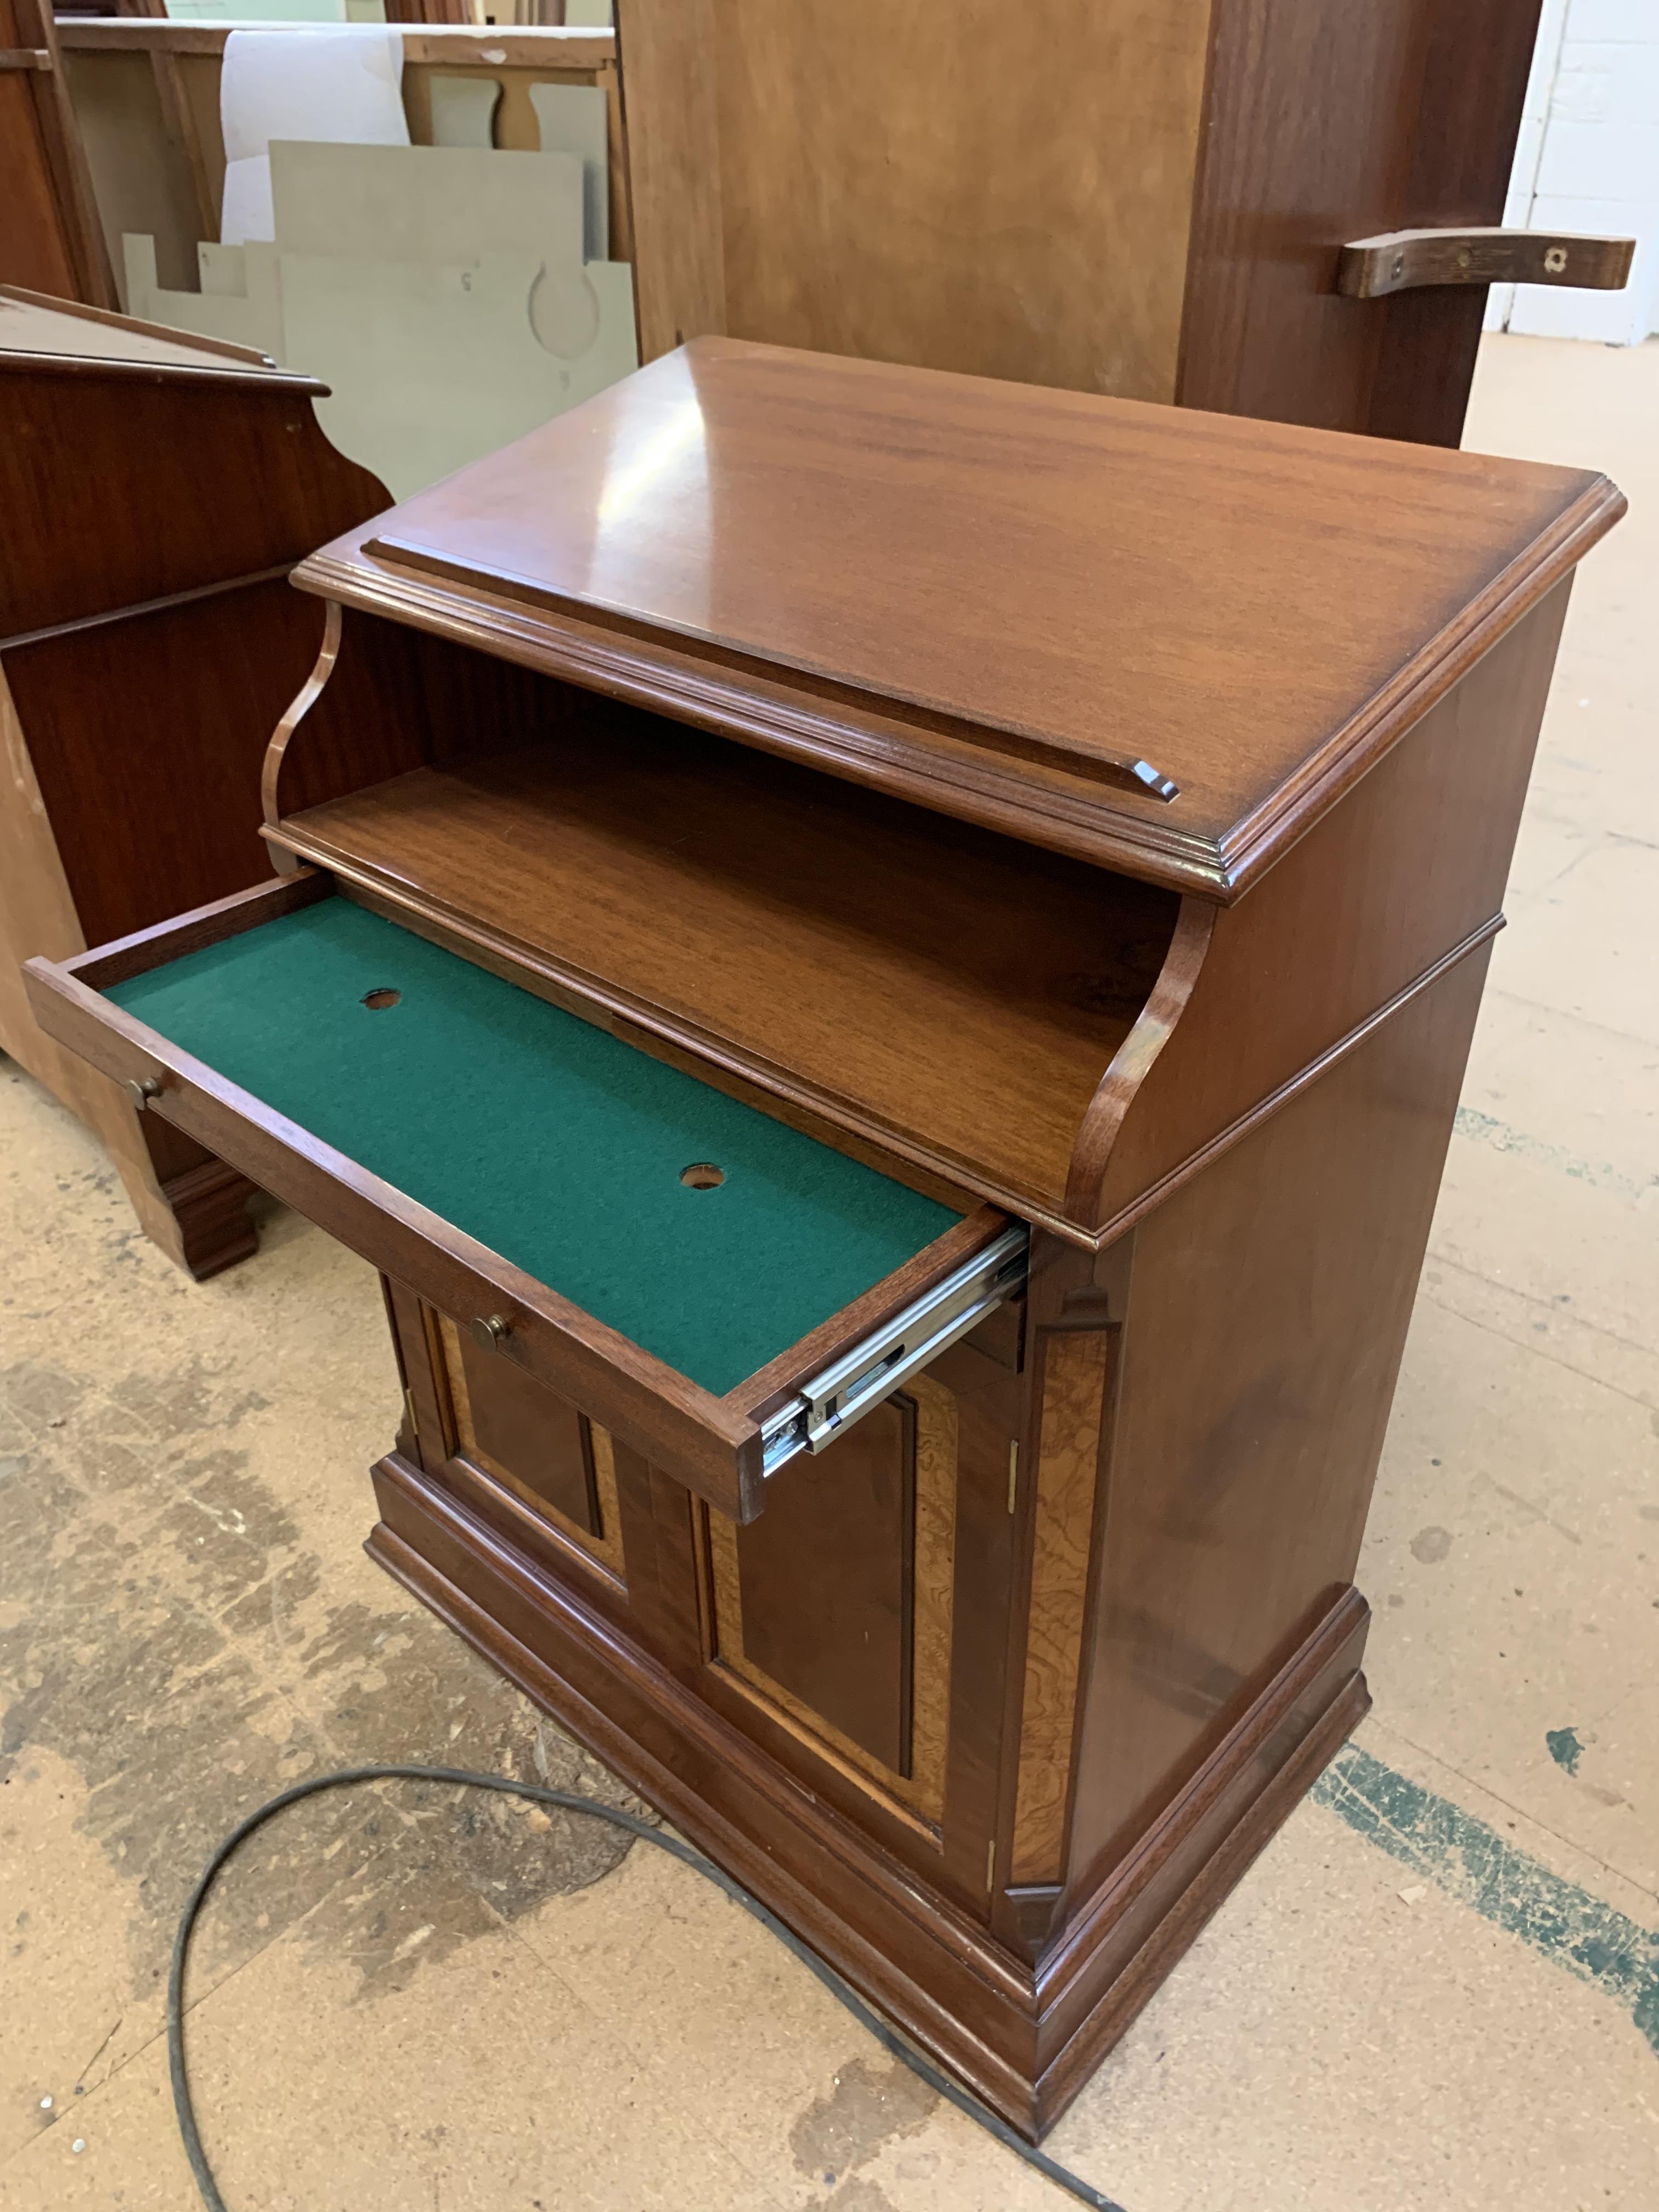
[1588, 159]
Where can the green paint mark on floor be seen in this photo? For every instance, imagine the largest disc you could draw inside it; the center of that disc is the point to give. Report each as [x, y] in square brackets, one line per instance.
[1564, 1747]
[1472, 1862]
[1487, 1129]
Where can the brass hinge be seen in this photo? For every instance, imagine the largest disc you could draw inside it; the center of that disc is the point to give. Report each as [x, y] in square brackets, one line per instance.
[1013, 1472]
[991, 1864]
[409, 1413]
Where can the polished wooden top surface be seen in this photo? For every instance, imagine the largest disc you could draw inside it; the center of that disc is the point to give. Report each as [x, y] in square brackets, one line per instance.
[1024, 606]
[35, 327]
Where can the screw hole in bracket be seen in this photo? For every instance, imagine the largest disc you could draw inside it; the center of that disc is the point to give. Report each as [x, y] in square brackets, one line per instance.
[382, 996]
[702, 1175]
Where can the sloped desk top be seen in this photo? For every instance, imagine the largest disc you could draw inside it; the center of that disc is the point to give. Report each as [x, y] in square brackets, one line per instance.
[1158, 639]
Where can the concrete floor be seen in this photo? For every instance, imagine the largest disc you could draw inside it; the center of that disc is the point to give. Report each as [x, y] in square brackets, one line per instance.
[1438, 1987]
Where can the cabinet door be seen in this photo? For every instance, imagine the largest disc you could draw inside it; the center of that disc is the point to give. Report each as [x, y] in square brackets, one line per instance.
[857, 1628]
[856, 1631]
[552, 1482]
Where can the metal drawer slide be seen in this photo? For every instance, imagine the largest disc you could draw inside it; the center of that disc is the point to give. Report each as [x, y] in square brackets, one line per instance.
[830, 1401]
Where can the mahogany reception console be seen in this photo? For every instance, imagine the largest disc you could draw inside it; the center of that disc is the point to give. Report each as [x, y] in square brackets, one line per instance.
[882, 961]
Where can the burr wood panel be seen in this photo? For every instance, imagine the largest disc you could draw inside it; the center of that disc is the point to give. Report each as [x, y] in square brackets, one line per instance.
[1074, 1370]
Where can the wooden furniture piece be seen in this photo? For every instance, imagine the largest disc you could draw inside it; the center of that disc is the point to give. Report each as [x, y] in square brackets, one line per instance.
[813, 889]
[1152, 200]
[155, 492]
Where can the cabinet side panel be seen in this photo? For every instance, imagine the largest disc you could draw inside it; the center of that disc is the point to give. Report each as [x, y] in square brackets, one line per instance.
[1403, 870]
[35, 251]
[1474, 88]
[38, 916]
[119, 490]
[1308, 141]
[1268, 1315]
[670, 54]
[148, 736]
[1001, 190]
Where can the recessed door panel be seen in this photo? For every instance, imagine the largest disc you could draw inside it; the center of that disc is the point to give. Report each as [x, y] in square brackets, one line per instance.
[827, 1573]
[540, 1437]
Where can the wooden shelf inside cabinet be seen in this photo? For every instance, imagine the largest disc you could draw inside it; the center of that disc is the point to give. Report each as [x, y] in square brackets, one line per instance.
[950, 994]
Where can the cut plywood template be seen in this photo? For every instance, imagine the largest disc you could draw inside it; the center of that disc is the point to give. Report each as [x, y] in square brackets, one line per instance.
[427, 203]
[398, 340]
[572, 120]
[443, 205]
[463, 109]
[141, 171]
[240, 297]
[440, 291]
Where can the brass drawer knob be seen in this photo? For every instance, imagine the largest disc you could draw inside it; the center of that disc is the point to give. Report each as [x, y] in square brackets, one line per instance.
[141, 1089]
[491, 1330]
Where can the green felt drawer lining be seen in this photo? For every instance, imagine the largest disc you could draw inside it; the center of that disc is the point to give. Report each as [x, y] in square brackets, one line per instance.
[545, 1138]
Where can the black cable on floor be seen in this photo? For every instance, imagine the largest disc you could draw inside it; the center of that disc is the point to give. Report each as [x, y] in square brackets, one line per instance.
[888, 2040]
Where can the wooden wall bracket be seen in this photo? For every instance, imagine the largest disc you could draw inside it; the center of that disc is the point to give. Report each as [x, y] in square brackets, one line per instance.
[1406, 261]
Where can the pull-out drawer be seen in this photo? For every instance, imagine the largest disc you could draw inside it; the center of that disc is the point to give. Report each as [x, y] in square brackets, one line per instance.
[714, 1287]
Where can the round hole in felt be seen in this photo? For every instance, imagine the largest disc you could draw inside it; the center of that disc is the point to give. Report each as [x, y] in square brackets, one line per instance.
[702, 1175]
[382, 995]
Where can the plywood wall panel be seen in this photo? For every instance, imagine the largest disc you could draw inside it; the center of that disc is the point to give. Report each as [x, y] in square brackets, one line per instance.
[1000, 189]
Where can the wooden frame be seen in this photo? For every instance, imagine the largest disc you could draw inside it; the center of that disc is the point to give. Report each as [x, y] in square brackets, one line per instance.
[156, 83]
[50, 239]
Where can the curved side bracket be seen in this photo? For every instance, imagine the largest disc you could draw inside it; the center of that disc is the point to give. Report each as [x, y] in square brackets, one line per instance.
[285, 863]
[1133, 1060]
